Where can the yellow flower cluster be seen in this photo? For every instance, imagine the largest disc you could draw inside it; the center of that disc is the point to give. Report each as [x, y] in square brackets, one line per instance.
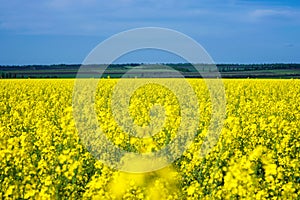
[256, 156]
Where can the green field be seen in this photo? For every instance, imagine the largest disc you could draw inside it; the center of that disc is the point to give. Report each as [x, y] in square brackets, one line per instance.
[153, 70]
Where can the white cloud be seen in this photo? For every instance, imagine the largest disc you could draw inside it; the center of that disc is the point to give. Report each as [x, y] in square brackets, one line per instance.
[269, 12]
[258, 14]
[94, 16]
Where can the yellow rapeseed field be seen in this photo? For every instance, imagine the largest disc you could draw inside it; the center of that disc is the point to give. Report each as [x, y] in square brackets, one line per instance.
[256, 156]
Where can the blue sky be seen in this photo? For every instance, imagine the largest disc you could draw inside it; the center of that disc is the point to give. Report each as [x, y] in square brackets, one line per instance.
[232, 31]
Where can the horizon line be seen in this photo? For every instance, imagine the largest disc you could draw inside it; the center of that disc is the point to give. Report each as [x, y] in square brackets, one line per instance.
[148, 63]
